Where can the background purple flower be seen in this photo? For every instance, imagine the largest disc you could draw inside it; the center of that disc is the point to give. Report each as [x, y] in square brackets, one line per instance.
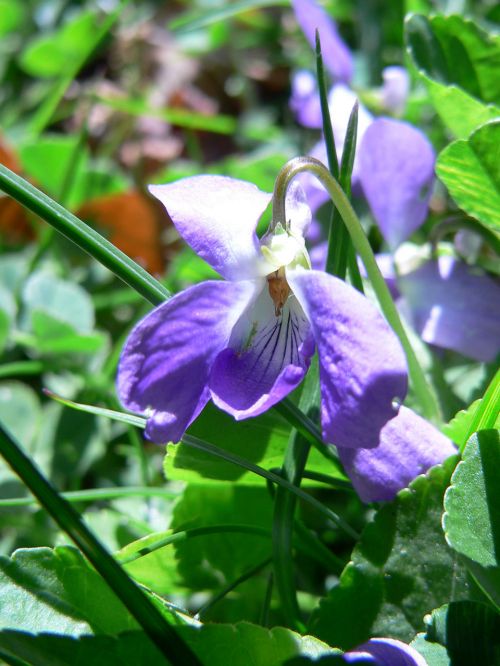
[336, 54]
[454, 306]
[385, 652]
[394, 162]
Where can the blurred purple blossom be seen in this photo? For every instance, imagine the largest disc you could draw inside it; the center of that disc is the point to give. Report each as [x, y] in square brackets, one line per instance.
[394, 162]
[385, 652]
[336, 54]
[454, 306]
[246, 342]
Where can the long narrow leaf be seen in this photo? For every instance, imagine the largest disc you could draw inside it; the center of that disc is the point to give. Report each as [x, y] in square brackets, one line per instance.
[164, 636]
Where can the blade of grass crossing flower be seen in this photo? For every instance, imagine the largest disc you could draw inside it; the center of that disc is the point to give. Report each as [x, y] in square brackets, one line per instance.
[284, 505]
[199, 444]
[83, 236]
[141, 608]
[196, 443]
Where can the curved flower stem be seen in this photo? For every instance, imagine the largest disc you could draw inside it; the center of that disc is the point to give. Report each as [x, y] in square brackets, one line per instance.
[300, 164]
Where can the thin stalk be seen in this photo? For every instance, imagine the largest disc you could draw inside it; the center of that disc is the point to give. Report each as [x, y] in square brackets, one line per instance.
[229, 588]
[362, 246]
[211, 449]
[193, 532]
[292, 470]
[148, 616]
[94, 495]
[199, 444]
[266, 605]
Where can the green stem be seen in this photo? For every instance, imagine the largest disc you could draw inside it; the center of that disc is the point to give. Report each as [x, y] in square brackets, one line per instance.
[362, 247]
[191, 533]
[229, 588]
[292, 470]
[94, 495]
[213, 450]
[148, 616]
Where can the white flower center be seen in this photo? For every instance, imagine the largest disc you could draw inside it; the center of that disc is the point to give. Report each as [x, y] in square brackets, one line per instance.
[281, 249]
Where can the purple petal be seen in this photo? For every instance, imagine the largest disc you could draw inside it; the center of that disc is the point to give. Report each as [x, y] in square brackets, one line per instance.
[268, 356]
[454, 307]
[166, 362]
[217, 216]
[362, 365]
[409, 446]
[386, 652]
[396, 170]
[304, 100]
[336, 54]
[395, 89]
[385, 262]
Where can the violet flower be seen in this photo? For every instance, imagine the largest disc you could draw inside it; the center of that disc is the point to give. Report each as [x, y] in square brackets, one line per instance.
[384, 652]
[246, 342]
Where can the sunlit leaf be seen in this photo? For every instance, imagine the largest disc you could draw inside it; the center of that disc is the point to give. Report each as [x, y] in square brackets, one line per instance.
[400, 570]
[472, 510]
[471, 171]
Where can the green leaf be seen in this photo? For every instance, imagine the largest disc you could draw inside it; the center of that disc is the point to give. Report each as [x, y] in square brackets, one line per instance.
[20, 411]
[461, 634]
[56, 590]
[52, 336]
[216, 559]
[49, 55]
[64, 301]
[218, 645]
[472, 510]
[475, 417]
[261, 440]
[400, 570]
[471, 171]
[458, 110]
[50, 158]
[453, 50]
[12, 15]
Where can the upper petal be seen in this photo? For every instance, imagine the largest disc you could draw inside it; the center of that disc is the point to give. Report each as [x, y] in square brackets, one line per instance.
[386, 652]
[166, 361]
[409, 446]
[396, 171]
[362, 364]
[395, 88]
[267, 357]
[453, 307]
[217, 216]
[336, 54]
